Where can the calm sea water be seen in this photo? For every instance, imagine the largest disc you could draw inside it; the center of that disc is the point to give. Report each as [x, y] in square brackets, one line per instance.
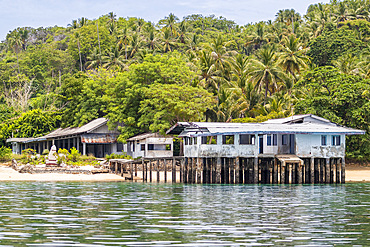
[135, 214]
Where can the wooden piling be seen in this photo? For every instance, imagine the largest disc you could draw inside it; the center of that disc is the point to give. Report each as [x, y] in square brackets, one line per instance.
[150, 171]
[173, 170]
[343, 171]
[327, 171]
[186, 170]
[299, 172]
[116, 168]
[332, 170]
[255, 170]
[312, 170]
[136, 169]
[237, 170]
[207, 173]
[132, 171]
[158, 173]
[199, 170]
[232, 170]
[282, 172]
[246, 170]
[288, 172]
[165, 170]
[275, 172]
[337, 171]
[218, 170]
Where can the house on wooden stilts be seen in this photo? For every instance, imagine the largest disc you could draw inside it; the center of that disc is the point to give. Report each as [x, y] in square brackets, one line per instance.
[297, 149]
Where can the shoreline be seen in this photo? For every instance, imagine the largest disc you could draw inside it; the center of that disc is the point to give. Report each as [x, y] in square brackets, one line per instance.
[354, 174]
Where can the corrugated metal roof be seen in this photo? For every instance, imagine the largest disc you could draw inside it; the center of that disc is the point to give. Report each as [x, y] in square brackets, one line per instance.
[295, 118]
[206, 128]
[22, 140]
[144, 136]
[99, 138]
[89, 127]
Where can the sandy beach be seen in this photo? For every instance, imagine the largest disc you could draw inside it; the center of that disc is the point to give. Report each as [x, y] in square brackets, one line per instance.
[354, 173]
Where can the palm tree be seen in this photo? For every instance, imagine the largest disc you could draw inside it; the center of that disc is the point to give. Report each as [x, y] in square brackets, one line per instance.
[258, 37]
[94, 59]
[82, 21]
[265, 71]
[293, 56]
[24, 36]
[182, 30]
[152, 40]
[73, 25]
[218, 48]
[167, 41]
[77, 36]
[135, 44]
[169, 21]
[15, 43]
[124, 38]
[209, 74]
[115, 59]
[140, 23]
[348, 64]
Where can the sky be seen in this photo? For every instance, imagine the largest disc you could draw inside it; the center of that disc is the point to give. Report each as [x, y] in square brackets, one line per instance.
[45, 13]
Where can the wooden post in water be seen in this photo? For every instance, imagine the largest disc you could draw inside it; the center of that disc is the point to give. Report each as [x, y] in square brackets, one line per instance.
[282, 172]
[232, 170]
[246, 170]
[186, 170]
[218, 170]
[190, 172]
[206, 174]
[121, 170]
[132, 171]
[312, 170]
[158, 172]
[150, 171]
[199, 170]
[288, 173]
[135, 169]
[275, 172]
[322, 171]
[343, 171]
[116, 168]
[237, 170]
[255, 170]
[337, 175]
[165, 170]
[327, 171]
[299, 172]
[332, 163]
[182, 161]
[173, 170]
[194, 170]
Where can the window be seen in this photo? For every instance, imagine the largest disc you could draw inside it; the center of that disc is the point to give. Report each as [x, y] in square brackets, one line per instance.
[272, 140]
[284, 139]
[247, 139]
[195, 141]
[336, 140]
[142, 147]
[186, 139]
[268, 140]
[209, 140]
[150, 146]
[190, 141]
[119, 147]
[323, 141]
[168, 146]
[228, 139]
[133, 147]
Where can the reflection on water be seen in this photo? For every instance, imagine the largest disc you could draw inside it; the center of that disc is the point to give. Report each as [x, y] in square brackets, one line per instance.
[135, 214]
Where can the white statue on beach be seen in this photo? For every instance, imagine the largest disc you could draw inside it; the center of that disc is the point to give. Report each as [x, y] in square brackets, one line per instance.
[52, 157]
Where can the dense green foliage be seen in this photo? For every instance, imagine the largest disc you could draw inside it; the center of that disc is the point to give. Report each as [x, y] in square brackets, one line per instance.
[201, 68]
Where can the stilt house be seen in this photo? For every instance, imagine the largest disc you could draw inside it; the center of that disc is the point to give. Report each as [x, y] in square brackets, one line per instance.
[150, 145]
[303, 141]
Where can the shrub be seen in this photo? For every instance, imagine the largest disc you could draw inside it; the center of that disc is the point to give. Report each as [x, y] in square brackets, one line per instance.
[5, 153]
[74, 155]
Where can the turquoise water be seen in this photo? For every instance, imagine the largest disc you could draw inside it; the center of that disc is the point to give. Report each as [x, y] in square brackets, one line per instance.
[136, 214]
